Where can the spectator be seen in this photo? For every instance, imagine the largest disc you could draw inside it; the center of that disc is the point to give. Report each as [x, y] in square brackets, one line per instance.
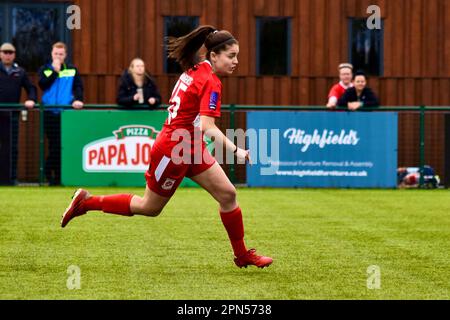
[61, 85]
[359, 95]
[338, 90]
[12, 80]
[137, 87]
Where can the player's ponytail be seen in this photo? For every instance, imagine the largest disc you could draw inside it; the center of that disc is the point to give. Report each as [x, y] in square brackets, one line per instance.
[184, 49]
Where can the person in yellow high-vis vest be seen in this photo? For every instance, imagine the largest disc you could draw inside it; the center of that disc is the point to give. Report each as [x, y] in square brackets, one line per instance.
[62, 86]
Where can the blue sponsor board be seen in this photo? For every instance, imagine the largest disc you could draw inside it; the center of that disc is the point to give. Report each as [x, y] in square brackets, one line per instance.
[322, 149]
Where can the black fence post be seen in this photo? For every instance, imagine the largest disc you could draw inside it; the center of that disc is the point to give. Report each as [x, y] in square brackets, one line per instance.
[41, 145]
[422, 146]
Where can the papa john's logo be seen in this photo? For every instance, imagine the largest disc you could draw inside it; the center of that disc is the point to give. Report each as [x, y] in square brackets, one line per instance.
[128, 150]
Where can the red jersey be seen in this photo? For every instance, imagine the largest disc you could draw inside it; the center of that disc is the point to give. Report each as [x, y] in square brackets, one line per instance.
[337, 91]
[197, 93]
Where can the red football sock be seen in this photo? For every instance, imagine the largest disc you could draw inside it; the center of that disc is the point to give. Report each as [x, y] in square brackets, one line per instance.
[235, 228]
[116, 204]
[93, 203]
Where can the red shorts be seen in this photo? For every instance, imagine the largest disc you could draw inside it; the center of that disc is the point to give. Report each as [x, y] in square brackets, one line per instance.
[165, 175]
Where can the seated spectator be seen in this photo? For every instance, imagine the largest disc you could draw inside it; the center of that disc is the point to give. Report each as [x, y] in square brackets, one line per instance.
[338, 90]
[137, 88]
[359, 95]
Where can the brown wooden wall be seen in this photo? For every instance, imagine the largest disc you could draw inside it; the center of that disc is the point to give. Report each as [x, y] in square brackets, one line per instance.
[417, 45]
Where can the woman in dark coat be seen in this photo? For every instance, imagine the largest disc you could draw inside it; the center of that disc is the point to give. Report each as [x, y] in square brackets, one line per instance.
[359, 95]
[137, 88]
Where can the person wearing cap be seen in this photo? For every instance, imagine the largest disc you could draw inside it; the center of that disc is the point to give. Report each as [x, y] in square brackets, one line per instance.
[338, 90]
[12, 79]
[61, 85]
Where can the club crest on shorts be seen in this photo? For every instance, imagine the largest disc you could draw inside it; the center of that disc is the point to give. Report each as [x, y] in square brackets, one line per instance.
[213, 100]
[168, 184]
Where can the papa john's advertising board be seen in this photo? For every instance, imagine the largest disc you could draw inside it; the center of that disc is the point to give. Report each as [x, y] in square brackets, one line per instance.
[108, 147]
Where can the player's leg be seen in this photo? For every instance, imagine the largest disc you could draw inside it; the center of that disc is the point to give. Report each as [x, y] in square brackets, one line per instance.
[215, 181]
[163, 178]
[150, 205]
[122, 204]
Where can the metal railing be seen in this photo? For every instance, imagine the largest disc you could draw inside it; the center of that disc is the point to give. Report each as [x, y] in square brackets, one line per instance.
[232, 109]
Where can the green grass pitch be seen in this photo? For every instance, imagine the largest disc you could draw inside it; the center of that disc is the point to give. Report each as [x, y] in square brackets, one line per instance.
[322, 241]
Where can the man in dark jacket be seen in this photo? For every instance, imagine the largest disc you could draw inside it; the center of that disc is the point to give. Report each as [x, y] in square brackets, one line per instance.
[61, 85]
[12, 80]
[358, 96]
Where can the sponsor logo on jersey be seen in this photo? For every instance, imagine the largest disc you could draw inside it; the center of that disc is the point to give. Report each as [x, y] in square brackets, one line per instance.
[213, 100]
[186, 79]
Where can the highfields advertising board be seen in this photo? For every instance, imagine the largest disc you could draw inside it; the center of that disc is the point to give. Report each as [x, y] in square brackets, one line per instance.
[323, 149]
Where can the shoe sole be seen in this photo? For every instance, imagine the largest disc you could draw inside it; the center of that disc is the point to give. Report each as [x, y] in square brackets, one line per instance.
[266, 266]
[74, 197]
[261, 267]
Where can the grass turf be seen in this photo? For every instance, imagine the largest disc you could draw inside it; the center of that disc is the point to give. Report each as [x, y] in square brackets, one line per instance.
[322, 241]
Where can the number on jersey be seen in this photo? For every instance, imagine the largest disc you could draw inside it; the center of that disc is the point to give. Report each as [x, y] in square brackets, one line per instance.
[175, 100]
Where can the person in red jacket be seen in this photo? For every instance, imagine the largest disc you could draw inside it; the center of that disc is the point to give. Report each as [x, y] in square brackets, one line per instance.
[338, 90]
[179, 150]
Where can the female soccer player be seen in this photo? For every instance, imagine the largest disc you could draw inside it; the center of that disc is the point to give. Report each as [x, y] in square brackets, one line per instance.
[194, 105]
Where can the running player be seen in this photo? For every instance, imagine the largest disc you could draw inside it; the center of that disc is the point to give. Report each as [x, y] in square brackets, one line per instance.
[179, 149]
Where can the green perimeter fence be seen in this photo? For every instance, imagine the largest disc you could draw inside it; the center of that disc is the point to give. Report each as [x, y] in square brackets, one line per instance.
[29, 136]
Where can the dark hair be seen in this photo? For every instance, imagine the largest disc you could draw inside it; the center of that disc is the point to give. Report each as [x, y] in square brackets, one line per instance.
[184, 49]
[360, 73]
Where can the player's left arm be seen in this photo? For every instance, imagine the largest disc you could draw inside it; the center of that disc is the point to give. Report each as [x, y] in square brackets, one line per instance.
[210, 129]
